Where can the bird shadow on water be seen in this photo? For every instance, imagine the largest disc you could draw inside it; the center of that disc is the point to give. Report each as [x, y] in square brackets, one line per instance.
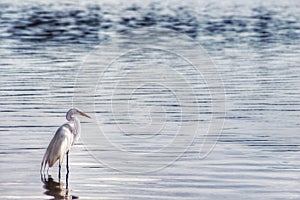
[58, 190]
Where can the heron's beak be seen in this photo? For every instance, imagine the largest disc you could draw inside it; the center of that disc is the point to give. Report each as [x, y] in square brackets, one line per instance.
[83, 114]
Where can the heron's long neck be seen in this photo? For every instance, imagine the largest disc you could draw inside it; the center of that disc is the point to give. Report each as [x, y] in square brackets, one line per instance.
[77, 127]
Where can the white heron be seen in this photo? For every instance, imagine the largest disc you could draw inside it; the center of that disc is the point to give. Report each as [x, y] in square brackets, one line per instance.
[60, 145]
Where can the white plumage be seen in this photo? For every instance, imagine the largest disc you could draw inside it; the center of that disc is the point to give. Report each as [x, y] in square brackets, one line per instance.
[64, 138]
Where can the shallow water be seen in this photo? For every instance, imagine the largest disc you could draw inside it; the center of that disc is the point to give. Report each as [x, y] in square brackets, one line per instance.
[151, 136]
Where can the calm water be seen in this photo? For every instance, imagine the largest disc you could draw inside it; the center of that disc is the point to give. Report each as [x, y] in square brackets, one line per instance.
[157, 130]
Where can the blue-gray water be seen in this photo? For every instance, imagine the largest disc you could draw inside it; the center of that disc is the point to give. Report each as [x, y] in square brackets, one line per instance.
[255, 48]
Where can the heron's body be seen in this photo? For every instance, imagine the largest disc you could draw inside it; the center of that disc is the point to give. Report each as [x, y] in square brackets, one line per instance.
[60, 144]
[65, 136]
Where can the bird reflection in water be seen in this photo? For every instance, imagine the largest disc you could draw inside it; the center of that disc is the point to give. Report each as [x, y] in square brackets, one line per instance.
[56, 189]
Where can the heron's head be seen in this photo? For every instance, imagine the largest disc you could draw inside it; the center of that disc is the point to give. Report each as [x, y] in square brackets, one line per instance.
[75, 111]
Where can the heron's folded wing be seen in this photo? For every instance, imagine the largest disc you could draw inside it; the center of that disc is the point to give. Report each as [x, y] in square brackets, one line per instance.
[59, 145]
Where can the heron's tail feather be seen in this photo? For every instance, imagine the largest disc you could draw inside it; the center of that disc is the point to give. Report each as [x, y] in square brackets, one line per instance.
[52, 153]
[44, 161]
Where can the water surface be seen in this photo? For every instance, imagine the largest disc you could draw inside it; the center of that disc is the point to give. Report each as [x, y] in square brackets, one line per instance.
[255, 48]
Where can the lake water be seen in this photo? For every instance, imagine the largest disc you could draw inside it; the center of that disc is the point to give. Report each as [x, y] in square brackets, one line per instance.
[189, 100]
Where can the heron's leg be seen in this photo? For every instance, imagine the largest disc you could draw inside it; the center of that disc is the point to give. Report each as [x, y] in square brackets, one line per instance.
[59, 168]
[67, 163]
[67, 180]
